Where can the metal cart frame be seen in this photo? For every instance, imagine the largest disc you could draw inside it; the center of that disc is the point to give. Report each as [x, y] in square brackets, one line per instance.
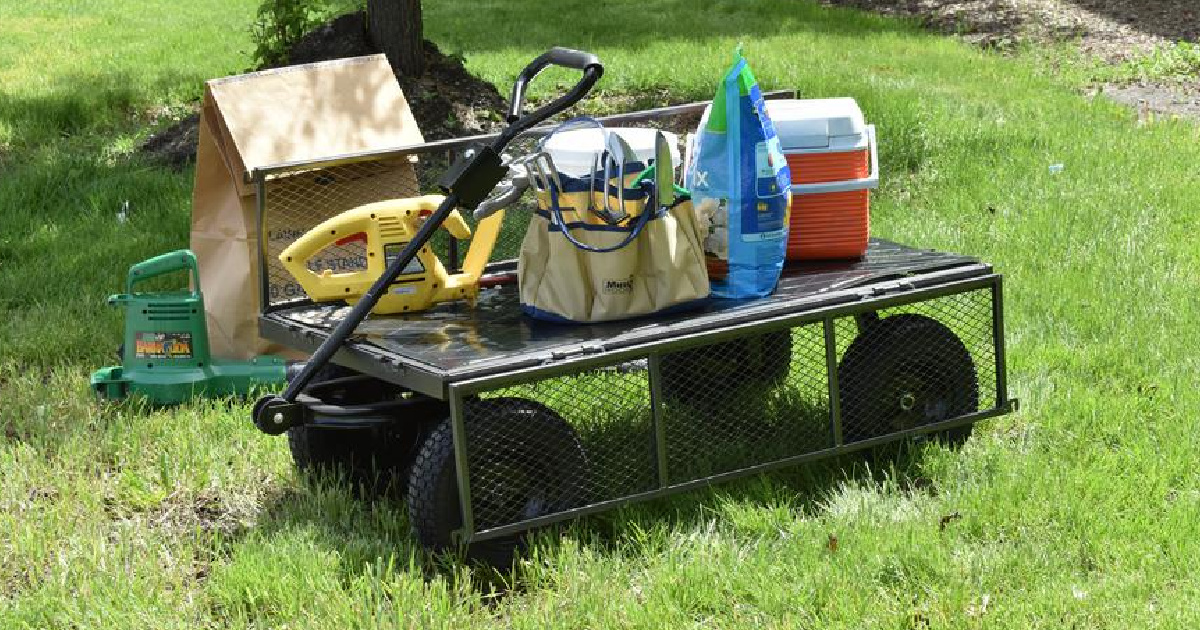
[826, 308]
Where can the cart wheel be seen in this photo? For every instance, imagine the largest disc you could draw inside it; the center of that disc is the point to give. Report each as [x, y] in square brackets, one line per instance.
[374, 459]
[525, 462]
[906, 371]
[701, 376]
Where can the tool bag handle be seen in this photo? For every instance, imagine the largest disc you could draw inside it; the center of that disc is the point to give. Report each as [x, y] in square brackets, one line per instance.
[553, 186]
[640, 223]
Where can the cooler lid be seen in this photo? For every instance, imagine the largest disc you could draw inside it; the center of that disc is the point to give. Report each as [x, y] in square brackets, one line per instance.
[818, 123]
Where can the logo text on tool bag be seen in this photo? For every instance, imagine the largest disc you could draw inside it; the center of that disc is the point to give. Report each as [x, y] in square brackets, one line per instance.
[163, 345]
[618, 287]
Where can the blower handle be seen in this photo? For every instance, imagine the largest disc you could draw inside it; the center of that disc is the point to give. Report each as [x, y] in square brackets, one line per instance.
[585, 62]
[163, 264]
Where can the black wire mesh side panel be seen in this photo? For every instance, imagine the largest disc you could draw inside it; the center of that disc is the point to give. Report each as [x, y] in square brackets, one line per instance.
[916, 364]
[295, 202]
[744, 402]
[556, 444]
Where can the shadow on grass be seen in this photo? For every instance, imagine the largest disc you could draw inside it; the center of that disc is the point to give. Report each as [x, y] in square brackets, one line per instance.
[366, 526]
[75, 219]
[81, 103]
[637, 25]
[370, 530]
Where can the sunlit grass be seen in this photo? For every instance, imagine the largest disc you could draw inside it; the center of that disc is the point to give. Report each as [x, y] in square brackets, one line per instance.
[1077, 511]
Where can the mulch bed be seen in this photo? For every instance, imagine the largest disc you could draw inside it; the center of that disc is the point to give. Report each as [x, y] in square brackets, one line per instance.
[1113, 30]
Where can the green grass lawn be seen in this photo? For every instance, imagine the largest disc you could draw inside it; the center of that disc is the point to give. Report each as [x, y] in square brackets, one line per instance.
[1079, 511]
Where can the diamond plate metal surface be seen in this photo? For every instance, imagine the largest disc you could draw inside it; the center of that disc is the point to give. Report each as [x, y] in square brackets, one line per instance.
[456, 336]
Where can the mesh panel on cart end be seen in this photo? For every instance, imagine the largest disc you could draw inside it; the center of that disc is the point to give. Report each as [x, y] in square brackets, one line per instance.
[296, 202]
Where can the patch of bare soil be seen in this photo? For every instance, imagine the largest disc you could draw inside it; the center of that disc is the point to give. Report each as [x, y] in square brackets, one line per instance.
[447, 101]
[1113, 30]
[1150, 99]
[179, 513]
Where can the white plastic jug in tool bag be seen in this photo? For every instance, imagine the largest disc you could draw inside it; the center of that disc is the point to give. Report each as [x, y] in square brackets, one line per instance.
[575, 151]
[618, 240]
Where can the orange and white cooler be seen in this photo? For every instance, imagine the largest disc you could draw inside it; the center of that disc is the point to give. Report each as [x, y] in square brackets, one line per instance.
[834, 161]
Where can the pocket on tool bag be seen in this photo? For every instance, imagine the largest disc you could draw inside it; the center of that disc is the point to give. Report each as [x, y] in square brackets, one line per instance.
[618, 285]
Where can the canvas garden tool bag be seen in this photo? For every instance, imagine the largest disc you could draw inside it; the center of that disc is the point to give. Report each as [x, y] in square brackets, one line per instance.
[616, 244]
[295, 114]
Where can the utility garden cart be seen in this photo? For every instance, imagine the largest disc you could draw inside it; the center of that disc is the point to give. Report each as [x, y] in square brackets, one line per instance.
[494, 423]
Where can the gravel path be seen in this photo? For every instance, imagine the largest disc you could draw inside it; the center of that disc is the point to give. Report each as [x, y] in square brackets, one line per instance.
[1113, 30]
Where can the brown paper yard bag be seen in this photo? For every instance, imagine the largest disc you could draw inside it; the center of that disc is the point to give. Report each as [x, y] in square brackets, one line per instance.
[297, 114]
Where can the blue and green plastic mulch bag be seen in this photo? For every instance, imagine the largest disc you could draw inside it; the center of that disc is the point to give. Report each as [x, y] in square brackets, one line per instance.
[741, 187]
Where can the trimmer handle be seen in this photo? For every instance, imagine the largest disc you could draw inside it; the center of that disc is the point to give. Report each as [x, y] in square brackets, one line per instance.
[178, 260]
[586, 62]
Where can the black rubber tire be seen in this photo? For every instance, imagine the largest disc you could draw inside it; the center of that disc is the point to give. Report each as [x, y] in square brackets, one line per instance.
[906, 371]
[506, 434]
[704, 376]
[373, 459]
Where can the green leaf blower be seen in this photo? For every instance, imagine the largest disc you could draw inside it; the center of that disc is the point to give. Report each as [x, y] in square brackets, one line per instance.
[165, 357]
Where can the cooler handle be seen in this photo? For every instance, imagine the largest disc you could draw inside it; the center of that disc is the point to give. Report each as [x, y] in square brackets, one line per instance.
[869, 182]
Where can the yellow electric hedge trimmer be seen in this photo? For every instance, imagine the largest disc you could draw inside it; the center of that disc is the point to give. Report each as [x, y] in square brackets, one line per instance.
[387, 227]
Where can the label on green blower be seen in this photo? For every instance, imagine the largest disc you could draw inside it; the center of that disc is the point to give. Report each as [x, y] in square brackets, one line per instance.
[163, 345]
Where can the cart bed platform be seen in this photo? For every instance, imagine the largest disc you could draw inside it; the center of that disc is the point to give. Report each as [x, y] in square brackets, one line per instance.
[455, 342]
[843, 356]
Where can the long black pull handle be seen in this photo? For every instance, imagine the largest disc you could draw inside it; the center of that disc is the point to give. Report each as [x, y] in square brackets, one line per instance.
[585, 62]
[369, 299]
[275, 414]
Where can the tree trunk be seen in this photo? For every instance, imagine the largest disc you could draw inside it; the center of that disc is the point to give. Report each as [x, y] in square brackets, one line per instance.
[395, 28]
